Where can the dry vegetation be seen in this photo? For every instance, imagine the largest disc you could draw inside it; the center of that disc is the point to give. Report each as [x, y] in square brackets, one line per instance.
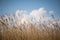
[30, 31]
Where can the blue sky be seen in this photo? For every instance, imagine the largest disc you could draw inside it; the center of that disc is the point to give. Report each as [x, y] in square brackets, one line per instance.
[10, 6]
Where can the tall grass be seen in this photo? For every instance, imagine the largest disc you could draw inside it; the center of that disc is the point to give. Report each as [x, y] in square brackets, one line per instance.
[29, 31]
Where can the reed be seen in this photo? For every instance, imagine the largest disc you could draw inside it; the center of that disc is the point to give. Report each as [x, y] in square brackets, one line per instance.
[30, 31]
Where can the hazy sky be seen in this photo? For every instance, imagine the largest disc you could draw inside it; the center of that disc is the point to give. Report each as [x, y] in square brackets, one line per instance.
[10, 6]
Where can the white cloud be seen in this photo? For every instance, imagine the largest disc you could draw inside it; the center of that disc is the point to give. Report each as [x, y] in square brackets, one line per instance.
[34, 15]
[21, 16]
[38, 12]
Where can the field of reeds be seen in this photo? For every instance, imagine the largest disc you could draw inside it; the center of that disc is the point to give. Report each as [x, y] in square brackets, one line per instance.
[12, 30]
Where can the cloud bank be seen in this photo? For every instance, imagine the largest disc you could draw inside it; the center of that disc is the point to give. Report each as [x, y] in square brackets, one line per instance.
[35, 16]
